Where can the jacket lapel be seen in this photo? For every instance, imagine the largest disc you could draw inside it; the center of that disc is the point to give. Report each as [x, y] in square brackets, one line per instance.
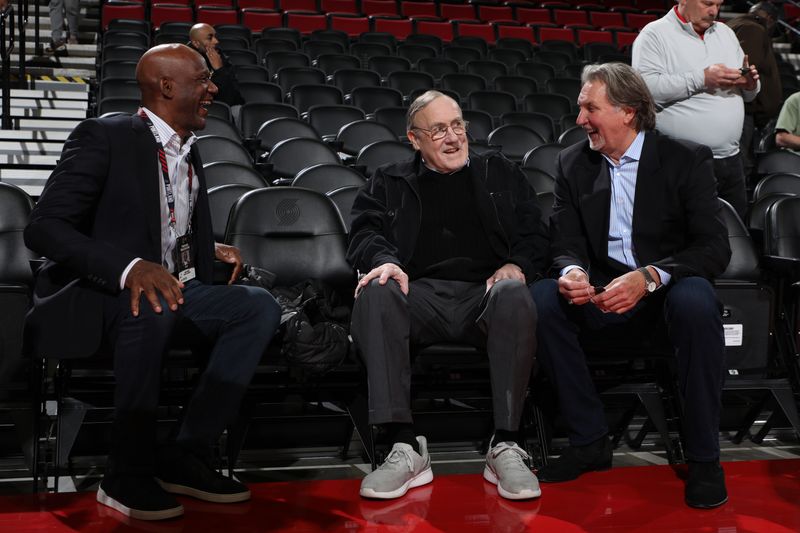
[595, 196]
[647, 206]
[147, 175]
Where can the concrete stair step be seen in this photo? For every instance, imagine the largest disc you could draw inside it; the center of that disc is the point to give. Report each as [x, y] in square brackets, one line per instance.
[46, 103]
[30, 180]
[73, 92]
[29, 159]
[45, 123]
[29, 148]
[47, 113]
[41, 137]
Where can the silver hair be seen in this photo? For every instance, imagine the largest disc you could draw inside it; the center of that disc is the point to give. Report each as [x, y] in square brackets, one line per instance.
[420, 103]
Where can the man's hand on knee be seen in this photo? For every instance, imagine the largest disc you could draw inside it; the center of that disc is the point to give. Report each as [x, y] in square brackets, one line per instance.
[150, 279]
[384, 273]
[507, 271]
[622, 294]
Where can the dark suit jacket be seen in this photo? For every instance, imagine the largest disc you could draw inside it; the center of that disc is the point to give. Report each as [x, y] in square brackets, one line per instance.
[676, 214]
[100, 209]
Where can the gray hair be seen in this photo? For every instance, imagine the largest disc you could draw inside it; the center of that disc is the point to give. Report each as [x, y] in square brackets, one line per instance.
[420, 103]
[625, 88]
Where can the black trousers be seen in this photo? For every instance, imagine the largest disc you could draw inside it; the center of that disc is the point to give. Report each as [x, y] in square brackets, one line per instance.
[730, 182]
[240, 322]
[385, 322]
[689, 307]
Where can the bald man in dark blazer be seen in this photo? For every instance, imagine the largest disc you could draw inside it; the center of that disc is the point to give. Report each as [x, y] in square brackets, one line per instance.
[125, 225]
[637, 238]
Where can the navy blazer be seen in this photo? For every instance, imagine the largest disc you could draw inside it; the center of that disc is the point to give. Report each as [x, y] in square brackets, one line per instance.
[677, 224]
[99, 210]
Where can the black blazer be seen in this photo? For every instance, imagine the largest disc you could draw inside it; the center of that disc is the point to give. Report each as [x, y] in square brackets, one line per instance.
[99, 210]
[676, 213]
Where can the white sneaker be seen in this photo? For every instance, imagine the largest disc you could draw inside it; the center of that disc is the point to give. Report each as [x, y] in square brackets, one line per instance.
[506, 468]
[403, 469]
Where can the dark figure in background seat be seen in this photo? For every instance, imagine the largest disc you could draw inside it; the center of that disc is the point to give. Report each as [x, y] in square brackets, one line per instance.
[447, 243]
[637, 214]
[203, 38]
[124, 222]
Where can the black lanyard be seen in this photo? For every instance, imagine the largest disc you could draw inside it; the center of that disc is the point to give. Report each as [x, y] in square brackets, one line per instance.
[162, 159]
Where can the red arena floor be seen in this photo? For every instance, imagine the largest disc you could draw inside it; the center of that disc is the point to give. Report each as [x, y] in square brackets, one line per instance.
[764, 497]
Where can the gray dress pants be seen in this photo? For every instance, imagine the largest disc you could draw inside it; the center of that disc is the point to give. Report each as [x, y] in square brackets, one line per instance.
[386, 322]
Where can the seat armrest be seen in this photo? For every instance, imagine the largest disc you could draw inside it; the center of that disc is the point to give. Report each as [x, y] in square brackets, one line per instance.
[784, 266]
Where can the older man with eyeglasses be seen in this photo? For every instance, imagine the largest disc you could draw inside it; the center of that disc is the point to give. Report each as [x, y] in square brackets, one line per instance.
[446, 244]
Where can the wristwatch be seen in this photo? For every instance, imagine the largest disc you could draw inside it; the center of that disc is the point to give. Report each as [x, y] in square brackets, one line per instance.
[649, 283]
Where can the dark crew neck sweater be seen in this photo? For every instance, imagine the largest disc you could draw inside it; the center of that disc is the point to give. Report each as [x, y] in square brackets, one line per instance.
[452, 243]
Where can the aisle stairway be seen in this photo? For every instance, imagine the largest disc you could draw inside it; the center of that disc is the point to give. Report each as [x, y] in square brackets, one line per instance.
[57, 98]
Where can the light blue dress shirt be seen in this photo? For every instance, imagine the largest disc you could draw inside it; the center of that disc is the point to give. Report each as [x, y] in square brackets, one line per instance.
[620, 223]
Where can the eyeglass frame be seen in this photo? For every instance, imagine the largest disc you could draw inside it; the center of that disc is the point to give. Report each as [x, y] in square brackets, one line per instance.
[464, 125]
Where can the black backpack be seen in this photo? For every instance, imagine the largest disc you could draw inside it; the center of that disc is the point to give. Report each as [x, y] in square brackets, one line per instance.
[314, 324]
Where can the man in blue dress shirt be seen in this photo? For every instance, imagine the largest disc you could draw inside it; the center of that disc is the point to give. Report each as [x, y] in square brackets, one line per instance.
[636, 238]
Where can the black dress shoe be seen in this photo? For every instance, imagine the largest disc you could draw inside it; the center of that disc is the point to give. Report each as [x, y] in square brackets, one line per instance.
[577, 460]
[182, 472]
[705, 488]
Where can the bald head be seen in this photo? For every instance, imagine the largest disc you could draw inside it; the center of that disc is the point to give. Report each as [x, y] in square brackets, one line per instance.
[200, 32]
[176, 85]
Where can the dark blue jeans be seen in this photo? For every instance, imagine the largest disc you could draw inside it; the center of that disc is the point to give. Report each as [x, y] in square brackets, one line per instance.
[690, 308]
[238, 321]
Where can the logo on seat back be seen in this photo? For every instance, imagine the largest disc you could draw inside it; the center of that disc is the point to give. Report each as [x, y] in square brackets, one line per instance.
[287, 212]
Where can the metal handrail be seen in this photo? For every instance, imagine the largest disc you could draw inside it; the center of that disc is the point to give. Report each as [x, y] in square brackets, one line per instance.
[6, 21]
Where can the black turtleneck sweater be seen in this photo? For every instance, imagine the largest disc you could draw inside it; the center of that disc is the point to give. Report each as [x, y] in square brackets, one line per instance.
[452, 242]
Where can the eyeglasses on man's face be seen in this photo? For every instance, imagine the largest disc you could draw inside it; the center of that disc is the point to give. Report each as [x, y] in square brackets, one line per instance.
[438, 133]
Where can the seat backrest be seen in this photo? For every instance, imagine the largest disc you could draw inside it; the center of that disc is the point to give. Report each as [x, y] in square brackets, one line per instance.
[778, 161]
[220, 201]
[295, 233]
[519, 86]
[555, 105]
[572, 135]
[540, 180]
[744, 257]
[393, 117]
[415, 52]
[545, 200]
[757, 214]
[540, 72]
[343, 199]
[15, 210]
[330, 63]
[327, 177]
[368, 99]
[348, 79]
[382, 152]
[384, 65]
[779, 182]
[227, 172]
[480, 123]
[437, 66]
[463, 83]
[304, 96]
[510, 57]
[276, 130]
[461, 54]
[117, 105]
[487, 69]
[252, 116]
[514, 140]
[782, 229]
[408, 81]
[214, 148]
[356, 135]
[538, 122]
[569, 87]
[288, 77]
[329, 119]
[220, 127]
[543, 157]
[493, 102]
[278, 59]
[290, 156]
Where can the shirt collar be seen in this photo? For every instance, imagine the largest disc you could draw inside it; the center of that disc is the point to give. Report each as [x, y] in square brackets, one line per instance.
[687, 26]
[633, 153]
[169, 137]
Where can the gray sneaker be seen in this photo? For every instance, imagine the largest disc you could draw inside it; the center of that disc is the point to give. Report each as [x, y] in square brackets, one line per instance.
[506, 468]
[404, 469]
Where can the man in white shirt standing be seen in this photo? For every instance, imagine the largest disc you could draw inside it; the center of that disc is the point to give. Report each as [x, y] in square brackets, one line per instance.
[700, 78]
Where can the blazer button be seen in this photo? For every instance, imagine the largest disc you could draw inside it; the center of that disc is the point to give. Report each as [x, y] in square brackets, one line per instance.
[391, 212]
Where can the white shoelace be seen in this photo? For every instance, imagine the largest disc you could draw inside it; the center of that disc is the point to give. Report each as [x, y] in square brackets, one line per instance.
[394, 458]
[517, 456]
